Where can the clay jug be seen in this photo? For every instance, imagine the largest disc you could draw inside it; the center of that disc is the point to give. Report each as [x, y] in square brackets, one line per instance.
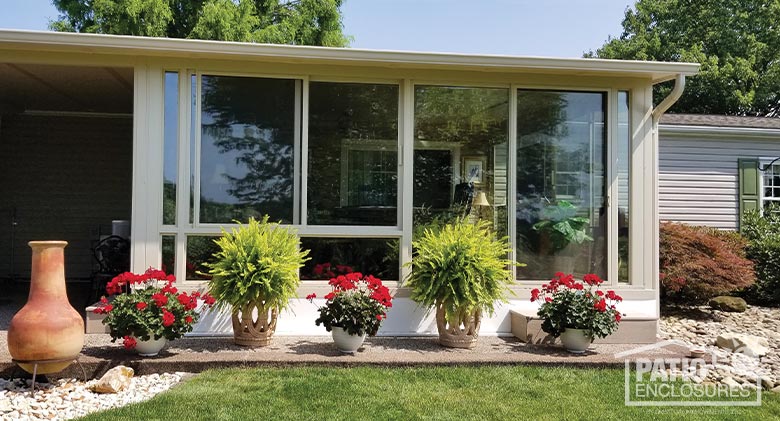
[47, 327]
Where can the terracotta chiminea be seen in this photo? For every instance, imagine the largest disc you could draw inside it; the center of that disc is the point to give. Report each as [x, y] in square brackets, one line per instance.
[47, 327]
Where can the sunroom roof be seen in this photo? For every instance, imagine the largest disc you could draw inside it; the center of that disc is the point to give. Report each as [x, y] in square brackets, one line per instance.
[168, 47]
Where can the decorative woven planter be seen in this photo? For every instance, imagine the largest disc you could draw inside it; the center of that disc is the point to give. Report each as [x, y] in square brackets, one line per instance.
[461, 332]
[248, 331]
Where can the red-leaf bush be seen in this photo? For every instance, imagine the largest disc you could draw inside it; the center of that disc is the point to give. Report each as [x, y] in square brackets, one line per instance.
[698, 263]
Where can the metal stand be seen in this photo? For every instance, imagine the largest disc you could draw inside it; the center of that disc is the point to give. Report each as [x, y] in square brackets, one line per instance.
[35, 364]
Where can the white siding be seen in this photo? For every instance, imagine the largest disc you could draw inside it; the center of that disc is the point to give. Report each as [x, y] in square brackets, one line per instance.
[698, 176]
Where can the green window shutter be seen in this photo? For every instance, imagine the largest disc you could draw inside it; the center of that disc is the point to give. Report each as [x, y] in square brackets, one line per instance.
[749, 194]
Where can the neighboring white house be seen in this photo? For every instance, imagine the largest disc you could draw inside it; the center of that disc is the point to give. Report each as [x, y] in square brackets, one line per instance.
[712, 168]
[350, 147]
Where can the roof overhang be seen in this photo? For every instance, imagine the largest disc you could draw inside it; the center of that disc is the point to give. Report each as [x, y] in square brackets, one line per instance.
[41, 41]
[731, 133]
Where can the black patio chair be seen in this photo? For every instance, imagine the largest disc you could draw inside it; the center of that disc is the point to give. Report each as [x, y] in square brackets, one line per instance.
[113, 257]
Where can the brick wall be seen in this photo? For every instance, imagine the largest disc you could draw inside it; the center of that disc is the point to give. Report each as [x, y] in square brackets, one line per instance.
[65, 177]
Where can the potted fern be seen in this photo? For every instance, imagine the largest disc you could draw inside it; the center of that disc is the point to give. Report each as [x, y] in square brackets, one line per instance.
[255, 271]
[460, 269]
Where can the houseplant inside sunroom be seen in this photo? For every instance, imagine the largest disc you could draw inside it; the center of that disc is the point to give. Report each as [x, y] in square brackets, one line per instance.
[146, 310]
[559, 227]
[255, 274]
[577, 311]
[353, 309]
[461, 269]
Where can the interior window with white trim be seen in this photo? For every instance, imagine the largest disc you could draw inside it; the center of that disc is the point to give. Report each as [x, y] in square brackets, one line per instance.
[771, 191]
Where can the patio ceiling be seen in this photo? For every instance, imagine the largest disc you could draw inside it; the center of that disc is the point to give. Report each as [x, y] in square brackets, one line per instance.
[46, 88]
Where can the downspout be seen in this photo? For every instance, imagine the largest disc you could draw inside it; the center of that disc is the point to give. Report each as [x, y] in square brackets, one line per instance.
[658, 111]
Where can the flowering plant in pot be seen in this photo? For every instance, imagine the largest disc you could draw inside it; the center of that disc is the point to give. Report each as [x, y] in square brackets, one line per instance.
[353, 309]
[146, 309]
[576, 311]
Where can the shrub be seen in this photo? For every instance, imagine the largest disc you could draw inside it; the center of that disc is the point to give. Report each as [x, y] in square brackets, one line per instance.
[698, 263]
[763, 233]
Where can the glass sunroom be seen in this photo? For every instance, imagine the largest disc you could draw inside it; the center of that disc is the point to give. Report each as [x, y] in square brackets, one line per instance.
[356, 148]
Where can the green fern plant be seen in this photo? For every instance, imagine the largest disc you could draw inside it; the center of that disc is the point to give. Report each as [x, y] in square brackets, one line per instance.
[256, 261]
[461, 266]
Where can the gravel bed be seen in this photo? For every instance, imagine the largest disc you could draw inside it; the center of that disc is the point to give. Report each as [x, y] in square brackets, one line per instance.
[700, 326]
[71, 398]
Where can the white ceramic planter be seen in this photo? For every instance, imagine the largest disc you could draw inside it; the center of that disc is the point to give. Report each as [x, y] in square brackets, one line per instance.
[575, 340]
[346, 343]
[149, 348]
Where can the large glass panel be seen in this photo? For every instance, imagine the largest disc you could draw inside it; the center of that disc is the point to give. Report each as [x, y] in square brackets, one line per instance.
[334, 256]
[193, 140]
[170, 146]
[200, 249]
[168, 254]
[353, 154]
[247, 142]
[460, 154]
[624, 185]
[561, 163]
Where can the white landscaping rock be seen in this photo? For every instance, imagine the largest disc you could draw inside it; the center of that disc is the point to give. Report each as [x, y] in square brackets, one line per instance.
[752, 346]
[70, 398]
[115, 380]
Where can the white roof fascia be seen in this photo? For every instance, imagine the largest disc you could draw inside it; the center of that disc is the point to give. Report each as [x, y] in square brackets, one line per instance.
[170, 47]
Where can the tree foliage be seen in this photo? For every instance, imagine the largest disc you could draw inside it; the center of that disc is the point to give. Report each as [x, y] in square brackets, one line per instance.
[737, 43]
[298, 22]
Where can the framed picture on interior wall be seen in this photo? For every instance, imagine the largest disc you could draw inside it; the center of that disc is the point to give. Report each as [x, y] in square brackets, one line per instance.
[473, 169]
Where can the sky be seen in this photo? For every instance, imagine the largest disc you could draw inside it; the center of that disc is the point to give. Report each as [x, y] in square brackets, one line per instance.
[552, 28]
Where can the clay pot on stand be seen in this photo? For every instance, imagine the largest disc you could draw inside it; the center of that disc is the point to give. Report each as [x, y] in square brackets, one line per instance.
[47, 327]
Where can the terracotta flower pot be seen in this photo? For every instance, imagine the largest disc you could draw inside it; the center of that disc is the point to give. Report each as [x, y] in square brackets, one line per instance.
[47, 327]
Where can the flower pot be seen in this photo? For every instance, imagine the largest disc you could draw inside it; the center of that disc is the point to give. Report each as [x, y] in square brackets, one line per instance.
[345, 342]
[460, 332]
[149, 348]
[47, 327]
[575, 340]
[248, 331]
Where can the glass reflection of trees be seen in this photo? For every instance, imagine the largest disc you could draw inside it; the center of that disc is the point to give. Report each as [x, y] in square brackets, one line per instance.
[452, 123]
[561, 162]
[353, 154]
[247, 142]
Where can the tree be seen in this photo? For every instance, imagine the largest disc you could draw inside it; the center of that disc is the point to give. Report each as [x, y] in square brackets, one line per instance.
[298, 22]
[737, 43]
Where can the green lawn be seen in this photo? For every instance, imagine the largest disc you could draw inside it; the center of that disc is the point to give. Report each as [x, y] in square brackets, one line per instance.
[457, 393]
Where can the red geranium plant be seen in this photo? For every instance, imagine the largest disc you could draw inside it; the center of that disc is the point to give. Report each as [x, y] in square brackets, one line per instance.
[357, 304]
[148, 306]
[568, 303]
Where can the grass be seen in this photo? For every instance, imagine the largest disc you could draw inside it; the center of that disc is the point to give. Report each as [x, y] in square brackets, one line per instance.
[430, 393]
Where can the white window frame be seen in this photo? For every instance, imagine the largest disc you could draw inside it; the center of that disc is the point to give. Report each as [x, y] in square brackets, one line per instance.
[764, 162]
